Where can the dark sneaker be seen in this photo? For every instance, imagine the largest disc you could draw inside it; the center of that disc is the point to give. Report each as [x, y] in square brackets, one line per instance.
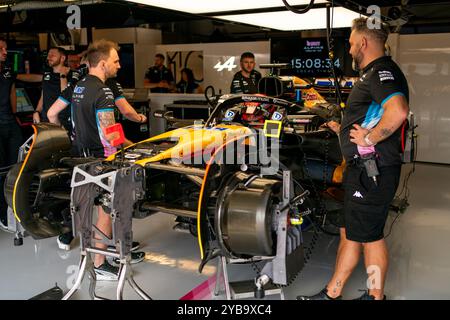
[134, 246]
[322, 295]
[106, 272]
[136, 257]
[64, 241]
[367, 296]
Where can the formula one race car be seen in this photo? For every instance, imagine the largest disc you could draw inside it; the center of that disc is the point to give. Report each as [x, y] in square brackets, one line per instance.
[244, 180]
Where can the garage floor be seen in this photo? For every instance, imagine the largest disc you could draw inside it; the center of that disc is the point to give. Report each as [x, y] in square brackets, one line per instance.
[419, 269]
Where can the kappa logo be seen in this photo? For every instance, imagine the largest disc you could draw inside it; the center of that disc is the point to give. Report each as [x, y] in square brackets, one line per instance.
[358, 194]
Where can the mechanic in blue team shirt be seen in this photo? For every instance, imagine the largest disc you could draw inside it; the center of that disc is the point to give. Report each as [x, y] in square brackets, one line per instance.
[371, 130]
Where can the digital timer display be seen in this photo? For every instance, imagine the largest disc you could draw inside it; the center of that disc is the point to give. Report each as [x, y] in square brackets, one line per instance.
[316, 65]
[308, 57]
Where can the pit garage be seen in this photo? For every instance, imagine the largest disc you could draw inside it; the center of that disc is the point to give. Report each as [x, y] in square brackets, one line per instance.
[165, 150]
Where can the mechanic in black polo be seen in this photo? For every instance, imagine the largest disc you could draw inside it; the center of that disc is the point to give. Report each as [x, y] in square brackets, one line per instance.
[53, 83]
[246, 80]
[93, 107]
[376, 109]
[10, 133]
[65, 98]
[93, 112]
[159, 78]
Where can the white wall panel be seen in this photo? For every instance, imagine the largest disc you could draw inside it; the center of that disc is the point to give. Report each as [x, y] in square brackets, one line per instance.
[222, 52]
[425, 61]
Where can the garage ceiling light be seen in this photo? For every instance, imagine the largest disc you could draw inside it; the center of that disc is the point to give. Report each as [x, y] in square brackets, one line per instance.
[207, 6]
[288, 21]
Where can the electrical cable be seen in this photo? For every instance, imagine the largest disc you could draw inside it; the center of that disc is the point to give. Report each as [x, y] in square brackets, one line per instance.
[298, 11]
[392, 225]
[405, 189]
[210, 101]
[332, 18]
[331, 54]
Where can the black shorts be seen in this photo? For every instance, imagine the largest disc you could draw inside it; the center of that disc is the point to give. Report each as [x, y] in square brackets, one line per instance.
[366, 205]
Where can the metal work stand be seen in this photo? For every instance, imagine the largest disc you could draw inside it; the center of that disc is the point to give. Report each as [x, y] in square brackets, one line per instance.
[280, 268]
[87, 267]
[116, 190]
[242, 289]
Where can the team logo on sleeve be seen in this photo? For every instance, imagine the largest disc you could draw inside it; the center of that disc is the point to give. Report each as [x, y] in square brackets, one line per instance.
[109, 94]
[385, 76]
[76, 76]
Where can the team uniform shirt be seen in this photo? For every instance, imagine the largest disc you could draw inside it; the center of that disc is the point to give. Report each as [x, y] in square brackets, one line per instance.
[116, 88]
[90, 97]
[380, 80]
[241, 84]
[155, 75]
[66, 97]
[186, 87]
[51, 89]
[7, 78]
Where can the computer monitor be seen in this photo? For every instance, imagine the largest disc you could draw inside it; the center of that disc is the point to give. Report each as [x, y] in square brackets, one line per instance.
[23, 101]
[16, 60]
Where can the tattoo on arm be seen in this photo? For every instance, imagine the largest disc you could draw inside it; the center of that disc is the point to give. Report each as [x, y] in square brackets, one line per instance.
[106, 118]
[385, 133]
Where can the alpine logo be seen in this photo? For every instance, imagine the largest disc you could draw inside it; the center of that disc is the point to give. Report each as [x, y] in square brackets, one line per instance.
[229, 65]
[358, 194]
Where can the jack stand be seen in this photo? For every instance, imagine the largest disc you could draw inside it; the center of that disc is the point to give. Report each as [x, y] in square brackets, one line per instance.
[244, 289]
[113, 191]
[87, 266]
[279, 269]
